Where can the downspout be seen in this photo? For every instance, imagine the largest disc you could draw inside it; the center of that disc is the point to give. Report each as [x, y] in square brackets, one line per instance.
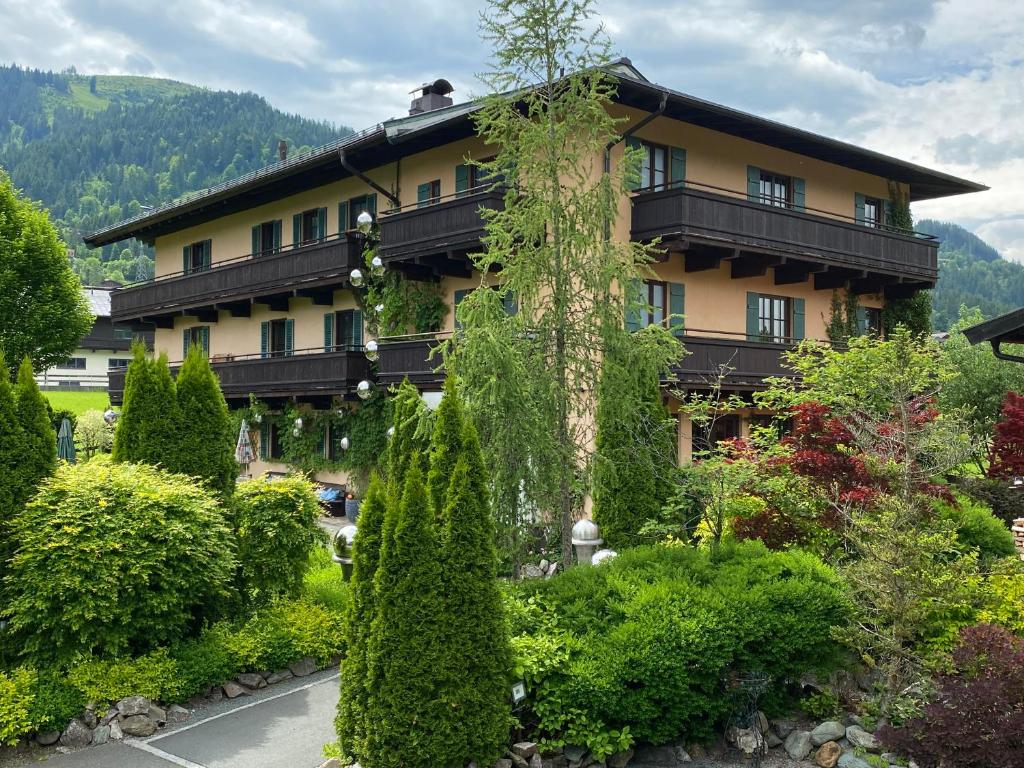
[625, 135]
[1003, 355]
[396, 203]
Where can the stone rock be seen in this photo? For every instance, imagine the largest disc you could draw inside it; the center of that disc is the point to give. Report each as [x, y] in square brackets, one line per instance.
[101, 735]
[332, 763]
[798, 744]
[157, 715]
[518, 761]
[830, 730]
[525, 749]
[176, 714]
[216, 696]
[771, 740]
[110, 717]
[762, 722]
[620, 759]
[137, 725]
[748, 741]
[531, 571]
[828, 754]
[850, 760]
[115, 731]
[76, 735]
[783, 727]
[252, 680]
[544, 565]
[536, 761]
[668, 756]
[233, 690]
[554, 761]
[90, 719]
[279, 677]
[303, 667]
[48, 738]
[552, 569]
[890, 757]
[858, 737]
[502, 762]
[133, 705]
[575, 754]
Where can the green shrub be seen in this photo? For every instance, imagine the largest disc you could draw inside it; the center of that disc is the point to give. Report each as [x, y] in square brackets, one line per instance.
[154, 675]
[326, 586]
[16, 698]
[648, 643]
[40, 457]
[977, 528]
[284, 632]
[1006, 501]
[276, 525]
[1004, 604]
[115, 559]
[150, 422]
[56, 702]
[207, 660]
[205, 442]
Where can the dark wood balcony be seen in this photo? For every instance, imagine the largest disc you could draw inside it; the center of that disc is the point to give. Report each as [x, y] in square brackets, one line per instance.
[438, 236]
[409, 357]
[303, 374]
[315, 269]
[743, 365]
[709, 224]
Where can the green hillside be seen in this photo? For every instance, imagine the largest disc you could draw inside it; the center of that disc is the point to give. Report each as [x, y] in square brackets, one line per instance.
[95, 149]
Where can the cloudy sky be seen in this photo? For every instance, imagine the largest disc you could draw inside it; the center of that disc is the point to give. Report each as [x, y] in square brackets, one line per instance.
[938, 83]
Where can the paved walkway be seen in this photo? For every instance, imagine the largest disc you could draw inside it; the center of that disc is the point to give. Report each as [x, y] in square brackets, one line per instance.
[284, 726]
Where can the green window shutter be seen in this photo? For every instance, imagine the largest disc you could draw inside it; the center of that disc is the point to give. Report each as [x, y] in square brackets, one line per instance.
[207, 254]
[296, 229]
[862, 321]
[635, 182]
[186, 259]
[459, 296]
[256, 245]
[753, 329]
[328, 332]
[264, 338]
[423, 195]
[185, 337]
[277, 235]
[633, 316]
[798, 194]
[289, 336]
[264, 441]
[677, 174]
[676, 296]
[753, 184]
[321, 223]
[204, 337]
[858, 208]
[511, 302]
[342, 217]
[371, 205]
[461, 179]
[357, 329]
[798, 319]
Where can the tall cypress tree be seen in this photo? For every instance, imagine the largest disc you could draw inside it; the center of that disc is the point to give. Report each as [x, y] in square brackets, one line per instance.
[407, 438]
[128, 434]
[479, 658]
[349, 723]
[12, 446]
[406, 722]
[40, 456]
[148, 430]
[446, 445]
[205, 444]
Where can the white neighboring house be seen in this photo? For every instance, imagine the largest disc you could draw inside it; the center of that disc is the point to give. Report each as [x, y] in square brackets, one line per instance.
[104, 347]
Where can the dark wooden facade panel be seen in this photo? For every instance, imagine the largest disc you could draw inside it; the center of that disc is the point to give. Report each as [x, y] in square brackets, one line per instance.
[409, 358]
[748, 362]
[451, 225]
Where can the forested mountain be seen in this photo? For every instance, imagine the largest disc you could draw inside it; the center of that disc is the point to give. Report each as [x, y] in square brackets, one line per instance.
[95, 149]
[971, 272]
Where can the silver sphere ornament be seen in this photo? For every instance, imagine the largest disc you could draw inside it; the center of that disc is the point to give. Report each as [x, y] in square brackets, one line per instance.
[377, 266]
[345, 444]
[356, 278]
[391, 432]
[364, 389]
[371, 351]
[379, 308]
[298, 423]
[364, 221]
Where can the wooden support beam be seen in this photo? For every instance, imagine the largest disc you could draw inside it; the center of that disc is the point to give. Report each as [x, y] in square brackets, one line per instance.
[278, 303]
[753, 265]
[207, 315]
[322, 297]
[873, 283]
[238, 308]
[160, 321]
[836, 277]
[904, 290]
[698, 261]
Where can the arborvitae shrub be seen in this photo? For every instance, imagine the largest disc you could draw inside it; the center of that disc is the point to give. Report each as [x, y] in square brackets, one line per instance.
[445, 448]
[1006, 458]
[115, 559]
[148, 429]
[40, 457]
[205, 445]
[276, 527]
[14, 488]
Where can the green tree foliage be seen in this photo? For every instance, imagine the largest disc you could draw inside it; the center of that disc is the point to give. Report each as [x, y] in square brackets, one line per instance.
[42, 312]
[407, 725]
[446, 446]
[409, 436]
[276, 528]
[352, 706]
[913, 313]
[14, 490]
[40, 456]
[148, 428]
[205, 439]
[114, 559]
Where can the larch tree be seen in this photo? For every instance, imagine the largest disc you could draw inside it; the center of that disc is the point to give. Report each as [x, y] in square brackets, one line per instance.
[40, 456]
[206, 447]
[43, 314]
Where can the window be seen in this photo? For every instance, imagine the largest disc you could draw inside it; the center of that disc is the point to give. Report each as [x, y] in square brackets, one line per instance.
[270, 441]
[310, 227]
[657, 298]
[118, 362]
[276, 338]
[359, 204]
[266, 238]
[199, 336]
[278, 329]
[123, 334]
[871, 321]
[872, 212]
[428, 193]
[775, 189]
[774, 319]
[72, 364]
[706, 437]
[660, 166]
[471, 178]
[196, 257]
[348, 331]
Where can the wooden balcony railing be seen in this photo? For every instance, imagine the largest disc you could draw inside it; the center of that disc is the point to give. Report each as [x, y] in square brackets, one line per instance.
[322, 264]
[450, 225]
[715, 216]
[409, 356]
[303, 373]
[745, 364]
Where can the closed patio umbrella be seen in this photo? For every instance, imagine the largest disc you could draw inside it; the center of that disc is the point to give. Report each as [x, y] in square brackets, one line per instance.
[244, 453]
[66, 442]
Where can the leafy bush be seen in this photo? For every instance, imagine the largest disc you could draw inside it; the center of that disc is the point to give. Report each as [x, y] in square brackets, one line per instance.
[205, 661]
[324, 584]
[649, 641]
[154, 676]
[94, 434]
[276, 524]
[285, 631]
[1006, 501]
[56, 702]
[977, 528]
[975, 719]
[115, 559]
[16, 696]
[1005, 596]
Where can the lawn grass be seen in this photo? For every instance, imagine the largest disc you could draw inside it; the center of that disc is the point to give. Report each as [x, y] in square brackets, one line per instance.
[78, 402]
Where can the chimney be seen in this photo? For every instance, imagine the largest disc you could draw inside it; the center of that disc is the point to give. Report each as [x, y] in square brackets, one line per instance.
[432, 96]
[282, 150]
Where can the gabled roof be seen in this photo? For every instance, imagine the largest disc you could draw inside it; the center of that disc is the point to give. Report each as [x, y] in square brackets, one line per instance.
[1005, 329]
[98, 299]
[388, 141]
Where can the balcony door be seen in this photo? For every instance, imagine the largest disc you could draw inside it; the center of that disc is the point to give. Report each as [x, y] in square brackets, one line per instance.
[277, 338]
[343, 330]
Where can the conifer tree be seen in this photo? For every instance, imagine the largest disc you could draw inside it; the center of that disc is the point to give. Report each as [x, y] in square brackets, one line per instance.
[40, 456]
[128, 434]
[406, 722]
[148, 429]
[205, 445]
[12, 444]
[479, 657]
[446, 445]
[352, 704]
[407, 410]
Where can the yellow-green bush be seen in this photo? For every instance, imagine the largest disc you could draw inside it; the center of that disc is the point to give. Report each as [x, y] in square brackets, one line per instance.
[1005, 597]
[154, 676]
[16, 697]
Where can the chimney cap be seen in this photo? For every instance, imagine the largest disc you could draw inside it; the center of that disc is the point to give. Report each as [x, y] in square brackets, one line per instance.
[440, 86]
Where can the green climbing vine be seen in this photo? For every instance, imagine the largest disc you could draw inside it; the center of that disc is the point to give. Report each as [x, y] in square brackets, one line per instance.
[900, 218]
[843, 317]
[394, 305]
